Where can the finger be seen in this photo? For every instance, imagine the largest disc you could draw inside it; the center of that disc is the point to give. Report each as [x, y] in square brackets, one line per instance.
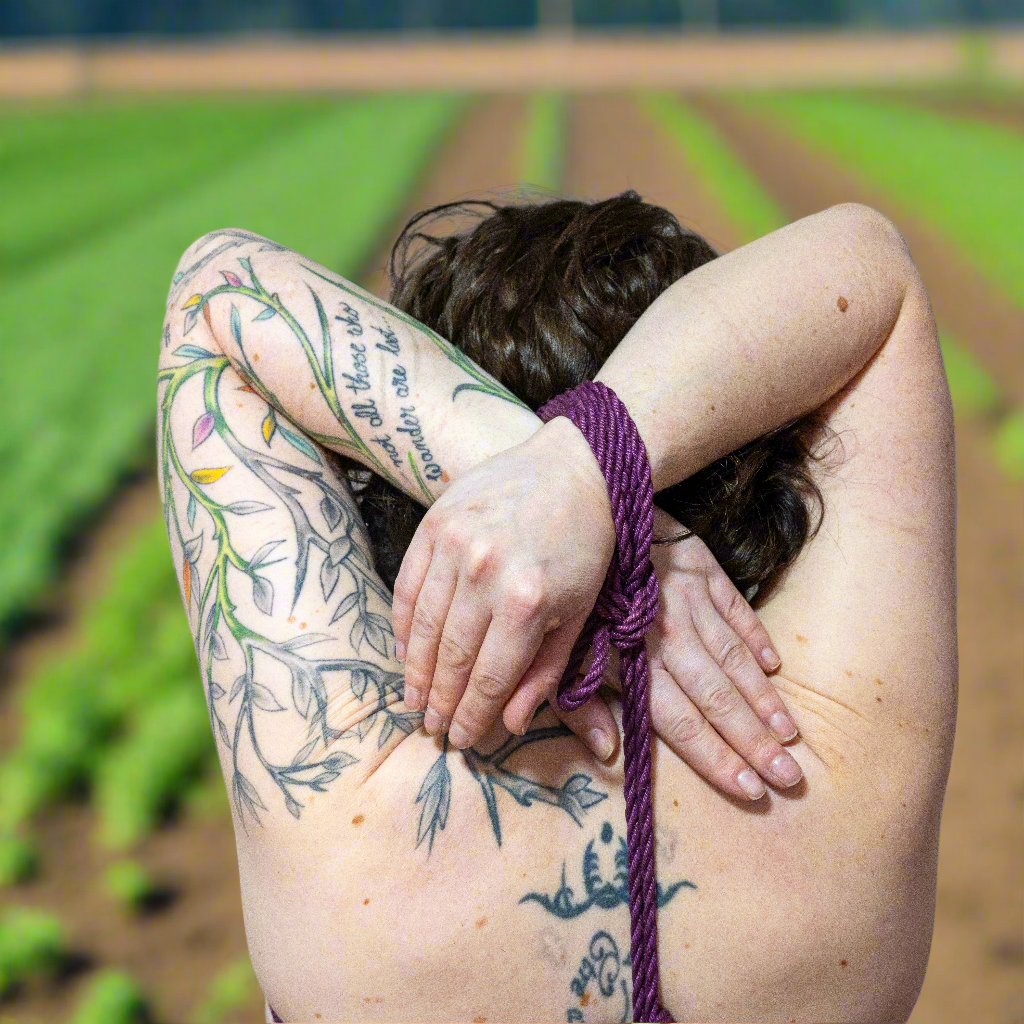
[716, 697]
[408, 583]
[735, 659]
[513, 639]
[459, 645]
[428, 618]
[541, 679]
[680, 724]
[594, 724]
[735, 609]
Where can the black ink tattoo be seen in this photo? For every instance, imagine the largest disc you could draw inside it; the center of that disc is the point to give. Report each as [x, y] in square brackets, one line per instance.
[400, 381]
[599, 981]
[598, 891]
[576, 796]
[411, 426]
[350, 317]
[389, 340]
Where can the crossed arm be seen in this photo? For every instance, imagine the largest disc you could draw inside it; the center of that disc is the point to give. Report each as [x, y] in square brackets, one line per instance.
[260, 342]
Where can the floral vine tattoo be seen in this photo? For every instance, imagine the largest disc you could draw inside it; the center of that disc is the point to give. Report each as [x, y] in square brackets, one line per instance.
[217, 613]
[224, 551]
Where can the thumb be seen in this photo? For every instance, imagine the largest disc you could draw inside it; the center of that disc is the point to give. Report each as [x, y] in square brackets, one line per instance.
[594, 724]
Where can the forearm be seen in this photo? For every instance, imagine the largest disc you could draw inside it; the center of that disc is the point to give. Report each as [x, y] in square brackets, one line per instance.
[353, 372]
[760, 336]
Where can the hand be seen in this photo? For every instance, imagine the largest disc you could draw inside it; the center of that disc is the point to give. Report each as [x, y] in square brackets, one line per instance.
[497, 584]
[711, 699]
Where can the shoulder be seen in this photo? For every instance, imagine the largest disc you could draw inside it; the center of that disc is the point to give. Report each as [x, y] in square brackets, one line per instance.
[865, 620]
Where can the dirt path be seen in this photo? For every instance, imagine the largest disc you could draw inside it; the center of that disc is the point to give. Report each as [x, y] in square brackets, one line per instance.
[978, 953]
[484, 157]
[1004, 113]
[175, 953]
[804, 181]
[613, 146]
[492, 62]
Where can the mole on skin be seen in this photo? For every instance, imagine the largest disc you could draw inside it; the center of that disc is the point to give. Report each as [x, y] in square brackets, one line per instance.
[842, 304]
[358, 820]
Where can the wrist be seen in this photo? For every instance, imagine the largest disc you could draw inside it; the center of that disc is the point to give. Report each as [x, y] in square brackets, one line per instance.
[562, 444]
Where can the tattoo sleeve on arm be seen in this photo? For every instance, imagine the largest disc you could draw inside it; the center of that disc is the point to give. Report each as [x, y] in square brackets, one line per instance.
[291, 624]
[356, 374]
[247, 501]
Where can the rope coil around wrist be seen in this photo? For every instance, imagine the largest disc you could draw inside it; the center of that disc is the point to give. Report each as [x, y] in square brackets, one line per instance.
[624, 612]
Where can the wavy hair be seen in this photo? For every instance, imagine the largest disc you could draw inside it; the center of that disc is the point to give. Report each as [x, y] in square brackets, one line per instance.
[539, 294]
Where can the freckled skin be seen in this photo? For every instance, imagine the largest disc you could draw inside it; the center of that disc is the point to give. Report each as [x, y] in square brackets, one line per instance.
[777, 891]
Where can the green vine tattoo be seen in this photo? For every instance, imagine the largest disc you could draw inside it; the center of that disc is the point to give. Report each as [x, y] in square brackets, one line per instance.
[323, 522]
[217, 612]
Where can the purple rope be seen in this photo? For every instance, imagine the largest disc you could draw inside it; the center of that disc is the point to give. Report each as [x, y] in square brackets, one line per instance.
[624, 612]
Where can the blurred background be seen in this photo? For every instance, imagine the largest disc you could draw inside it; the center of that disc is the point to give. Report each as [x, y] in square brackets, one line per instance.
[127, 129]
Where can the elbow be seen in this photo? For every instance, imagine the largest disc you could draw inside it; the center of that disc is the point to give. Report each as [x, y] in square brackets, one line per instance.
[194, 267]
[870, 228]
[880, 241]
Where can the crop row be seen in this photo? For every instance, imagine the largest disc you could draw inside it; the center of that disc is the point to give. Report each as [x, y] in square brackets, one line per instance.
[81, 326]
[845, 124]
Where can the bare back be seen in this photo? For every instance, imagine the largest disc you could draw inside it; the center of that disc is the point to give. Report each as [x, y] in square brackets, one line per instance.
[420, 883]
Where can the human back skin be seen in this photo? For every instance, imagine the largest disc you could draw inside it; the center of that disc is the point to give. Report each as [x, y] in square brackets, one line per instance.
[386, 877]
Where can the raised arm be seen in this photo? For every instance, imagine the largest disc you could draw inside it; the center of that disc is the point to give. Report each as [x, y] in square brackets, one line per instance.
[356, 374]
[762, 335]
[328, 361]
[738, 347]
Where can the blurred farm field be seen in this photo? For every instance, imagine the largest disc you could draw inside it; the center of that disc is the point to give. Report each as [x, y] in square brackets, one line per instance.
[324, 181]
[105, 746]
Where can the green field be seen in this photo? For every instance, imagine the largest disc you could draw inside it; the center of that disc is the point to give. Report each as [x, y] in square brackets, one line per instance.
[99, 199]
[933, 167]
[82, 325]
[962, 176]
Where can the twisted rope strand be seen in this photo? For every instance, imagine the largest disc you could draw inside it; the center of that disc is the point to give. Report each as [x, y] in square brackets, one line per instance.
[622, 615]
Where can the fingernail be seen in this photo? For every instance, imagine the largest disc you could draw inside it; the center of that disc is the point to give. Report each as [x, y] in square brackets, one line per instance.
[771, 658]
[751, 784]
[400, 650]
[785, 769]
[601, 743]
[783, 726]
[413, 697]
[458, 737]
[433, 722]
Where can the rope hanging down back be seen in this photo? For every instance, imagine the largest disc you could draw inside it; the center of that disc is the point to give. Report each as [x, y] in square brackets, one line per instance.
[624, 612]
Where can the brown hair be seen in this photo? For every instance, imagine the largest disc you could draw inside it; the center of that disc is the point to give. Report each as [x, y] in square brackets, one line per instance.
[539, 294]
